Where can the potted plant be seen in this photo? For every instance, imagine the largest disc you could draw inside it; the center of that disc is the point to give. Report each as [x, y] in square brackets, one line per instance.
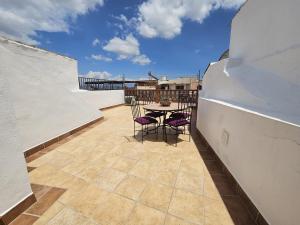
[165, 101]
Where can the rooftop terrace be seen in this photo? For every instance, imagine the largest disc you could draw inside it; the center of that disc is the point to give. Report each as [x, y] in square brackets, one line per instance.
[103, 175]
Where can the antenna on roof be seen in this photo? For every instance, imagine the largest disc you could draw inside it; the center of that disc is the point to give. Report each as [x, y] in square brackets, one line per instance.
[152, 76]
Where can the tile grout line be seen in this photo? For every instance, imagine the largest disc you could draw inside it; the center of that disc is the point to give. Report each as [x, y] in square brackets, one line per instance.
[174, 185]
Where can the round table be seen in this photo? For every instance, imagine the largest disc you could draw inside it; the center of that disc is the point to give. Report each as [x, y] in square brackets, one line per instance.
[156, 107]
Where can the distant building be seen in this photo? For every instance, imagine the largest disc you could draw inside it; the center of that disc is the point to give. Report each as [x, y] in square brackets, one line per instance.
[146, 85]
[150, 84]
[181, 83]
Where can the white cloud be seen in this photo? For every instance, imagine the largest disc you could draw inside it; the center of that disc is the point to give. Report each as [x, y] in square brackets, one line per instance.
[141, 60]
[124, 48]
[131, 23]
[101, 58]
[127, 48]
[104, 75]
[164, 18]
[96, 42]
[118, 77]
[20, 19]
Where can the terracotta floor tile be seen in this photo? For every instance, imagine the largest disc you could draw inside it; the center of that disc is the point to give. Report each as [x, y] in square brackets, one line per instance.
[67, 217]
[131, 187]
[24, 219]
[50, 213]
[107, 160]
[133, 154]
[89, 173]
[73, 188]
[86, 201]
[75, 167]
[113, 177]
[115, 210]
[166, 177]
[45, 201]
[39, 190]
[124, 164]
[192, 166]
[54, 158]
[157, 196]
[59, 160]
[165, 163]
[48, 175]
[190, 182]
[41, 173]
[109, 179]
[215, 209]
[171, 220]
[210, 190]
[142, 169]
[143, 215]
[188, 206]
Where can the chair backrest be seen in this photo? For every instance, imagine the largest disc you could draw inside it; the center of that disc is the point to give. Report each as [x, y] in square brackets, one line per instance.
[135, 108]
[185, 105]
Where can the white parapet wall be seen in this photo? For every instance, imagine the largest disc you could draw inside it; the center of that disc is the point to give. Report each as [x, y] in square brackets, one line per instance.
[103, 98]
[42, 95]
[39, 100]
[14, 182]
[249, 107]
[262, 153]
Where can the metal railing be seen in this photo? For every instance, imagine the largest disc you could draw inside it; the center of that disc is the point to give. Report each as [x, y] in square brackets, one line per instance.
[145, 96]
[93, 84]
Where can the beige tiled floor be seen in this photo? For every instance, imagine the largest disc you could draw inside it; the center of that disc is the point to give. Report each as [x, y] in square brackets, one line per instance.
[112, 178]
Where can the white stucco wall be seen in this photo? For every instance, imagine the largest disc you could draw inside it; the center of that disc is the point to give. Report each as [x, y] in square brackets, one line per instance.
[263, 154]
[254, 97]
[39, 100]
[14, 182]
[42, 85]
[102, 99]
[263, 68]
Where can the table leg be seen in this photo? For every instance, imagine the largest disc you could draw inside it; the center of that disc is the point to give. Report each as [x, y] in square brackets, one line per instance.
[164, 127]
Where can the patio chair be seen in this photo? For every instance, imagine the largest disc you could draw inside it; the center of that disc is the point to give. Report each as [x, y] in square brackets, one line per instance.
[144, 121]
[184, 106]
[180, 119]
[150, 100]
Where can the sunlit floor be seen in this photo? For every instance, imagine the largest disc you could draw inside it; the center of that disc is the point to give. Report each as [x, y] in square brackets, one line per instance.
[105, 176]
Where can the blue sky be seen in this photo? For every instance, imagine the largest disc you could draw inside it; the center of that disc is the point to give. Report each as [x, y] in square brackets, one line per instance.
[165, 39]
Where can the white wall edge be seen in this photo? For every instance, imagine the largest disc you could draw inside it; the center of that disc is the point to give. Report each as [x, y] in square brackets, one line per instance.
[249, 111]
[6, 211]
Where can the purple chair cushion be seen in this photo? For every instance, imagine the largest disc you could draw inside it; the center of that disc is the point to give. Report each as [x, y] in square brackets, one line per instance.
[168, 120]
[154, 114]
[178, 122]
[180, 115]
[144, 120]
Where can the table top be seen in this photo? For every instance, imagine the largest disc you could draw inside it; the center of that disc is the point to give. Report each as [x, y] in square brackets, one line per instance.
[158, 107]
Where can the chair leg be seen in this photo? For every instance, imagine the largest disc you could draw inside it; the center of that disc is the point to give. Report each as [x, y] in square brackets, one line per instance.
[176, 136]
[165, 133]
[156, 130]
[190, 130]
[134, 129]
[142, 133]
